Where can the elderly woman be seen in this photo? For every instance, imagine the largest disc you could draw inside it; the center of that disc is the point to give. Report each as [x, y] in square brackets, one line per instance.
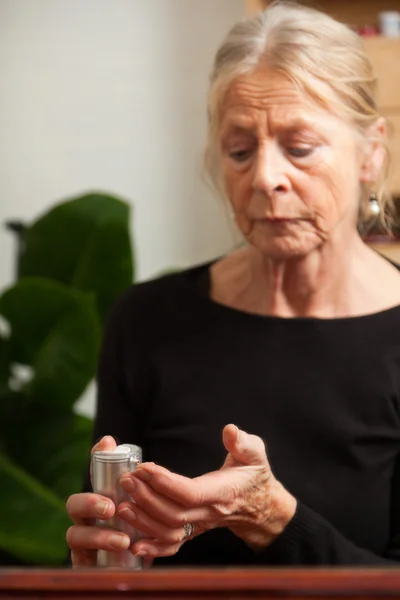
[294, 337]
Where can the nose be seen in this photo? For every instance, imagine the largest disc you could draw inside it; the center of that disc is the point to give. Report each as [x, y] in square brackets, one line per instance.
[270, 175]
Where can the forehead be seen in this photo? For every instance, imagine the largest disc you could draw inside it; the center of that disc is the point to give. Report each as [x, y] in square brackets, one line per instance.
[268, 94]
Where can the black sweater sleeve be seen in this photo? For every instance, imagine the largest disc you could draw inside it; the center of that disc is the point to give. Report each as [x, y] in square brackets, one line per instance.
[309, 539]
[156, 361]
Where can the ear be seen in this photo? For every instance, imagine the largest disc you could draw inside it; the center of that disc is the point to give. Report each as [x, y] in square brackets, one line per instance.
[374, 157]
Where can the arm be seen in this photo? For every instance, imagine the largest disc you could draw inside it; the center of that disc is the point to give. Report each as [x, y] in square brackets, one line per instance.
[309, 539]
[245, 497]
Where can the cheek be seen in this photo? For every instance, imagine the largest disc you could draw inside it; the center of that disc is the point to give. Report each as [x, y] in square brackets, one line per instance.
[238, 187]
[341, 177]
[332, 192]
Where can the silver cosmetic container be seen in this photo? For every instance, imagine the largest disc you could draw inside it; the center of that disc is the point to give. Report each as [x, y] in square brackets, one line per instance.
[107, 468]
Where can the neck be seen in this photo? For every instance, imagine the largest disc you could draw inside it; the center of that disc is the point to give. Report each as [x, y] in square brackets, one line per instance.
[320, 284]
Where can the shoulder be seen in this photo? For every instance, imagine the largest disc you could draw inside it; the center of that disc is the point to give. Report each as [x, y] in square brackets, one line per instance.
[378, 280]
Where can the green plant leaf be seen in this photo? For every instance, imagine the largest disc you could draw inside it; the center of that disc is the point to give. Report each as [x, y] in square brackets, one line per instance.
[4, 364]
[84, 243]
[55, 330]
[55, 450]
[75, 261]
[33, 520]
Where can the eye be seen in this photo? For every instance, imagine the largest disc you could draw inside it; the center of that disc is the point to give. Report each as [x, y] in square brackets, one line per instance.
[300, 152]
[240, 155]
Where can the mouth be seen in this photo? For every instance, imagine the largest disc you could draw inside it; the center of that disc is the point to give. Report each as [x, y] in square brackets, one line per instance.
[282, 220]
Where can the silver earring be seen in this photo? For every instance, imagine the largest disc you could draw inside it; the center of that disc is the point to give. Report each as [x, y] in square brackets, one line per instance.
[374, 207]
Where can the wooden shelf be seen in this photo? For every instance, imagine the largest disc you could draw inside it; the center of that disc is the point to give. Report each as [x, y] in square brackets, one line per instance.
[253, 6]
[389, 249]
[356, 13]
[385, 57]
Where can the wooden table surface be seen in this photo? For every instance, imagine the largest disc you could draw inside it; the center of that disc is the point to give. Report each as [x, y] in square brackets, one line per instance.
[196, 584]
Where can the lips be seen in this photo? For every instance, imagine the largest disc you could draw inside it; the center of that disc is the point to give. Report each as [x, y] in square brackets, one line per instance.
[282, 219]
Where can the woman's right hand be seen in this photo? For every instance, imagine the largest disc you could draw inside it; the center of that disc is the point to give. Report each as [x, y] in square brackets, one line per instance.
[84, 538]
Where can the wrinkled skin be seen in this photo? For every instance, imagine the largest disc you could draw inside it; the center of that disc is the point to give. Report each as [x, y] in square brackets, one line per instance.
[292, 174]
[243, 496]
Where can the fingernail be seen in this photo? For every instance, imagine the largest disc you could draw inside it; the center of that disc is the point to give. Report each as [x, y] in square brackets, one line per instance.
[128, 484]
[104, 438]
[143, 474]
[119, 542]
[128, 513]
[237, 432]
[141, 553]
[101, 508]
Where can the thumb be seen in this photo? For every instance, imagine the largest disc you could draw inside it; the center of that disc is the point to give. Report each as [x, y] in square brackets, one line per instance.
[243, 447]
[106, 443]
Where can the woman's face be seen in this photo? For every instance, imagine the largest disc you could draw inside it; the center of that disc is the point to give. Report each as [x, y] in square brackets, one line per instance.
[291, 170]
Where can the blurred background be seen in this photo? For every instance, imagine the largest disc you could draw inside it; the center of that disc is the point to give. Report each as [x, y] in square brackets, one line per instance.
[110, 95]
[102, 132]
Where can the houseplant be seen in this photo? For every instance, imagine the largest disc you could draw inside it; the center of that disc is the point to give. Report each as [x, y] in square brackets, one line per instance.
[74, 261]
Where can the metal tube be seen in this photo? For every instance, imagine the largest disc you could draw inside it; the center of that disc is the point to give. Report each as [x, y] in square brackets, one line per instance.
[107, 468]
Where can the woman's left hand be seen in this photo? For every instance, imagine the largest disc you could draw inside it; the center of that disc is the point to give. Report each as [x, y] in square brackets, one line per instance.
[243, 495]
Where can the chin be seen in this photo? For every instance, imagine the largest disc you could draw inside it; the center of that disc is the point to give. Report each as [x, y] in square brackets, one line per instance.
[285, 248]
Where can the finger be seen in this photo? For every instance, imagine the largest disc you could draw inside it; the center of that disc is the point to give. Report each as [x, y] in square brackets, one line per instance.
[161, 508]
[158, 506]
[180, 489]
[89, 506]
[150, 527]
[150, 549]
[106, 443]
[246, 448]
[83, 537]
[168, 484]
[84, 558]
[147, 562]
[202, 491]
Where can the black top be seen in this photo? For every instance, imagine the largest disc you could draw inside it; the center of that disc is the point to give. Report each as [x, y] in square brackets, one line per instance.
[323, 393]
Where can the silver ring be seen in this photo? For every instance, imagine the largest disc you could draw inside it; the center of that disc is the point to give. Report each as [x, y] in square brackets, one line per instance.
[188, 529]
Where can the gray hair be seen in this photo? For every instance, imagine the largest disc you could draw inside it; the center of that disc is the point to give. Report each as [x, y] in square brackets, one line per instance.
[323, 57]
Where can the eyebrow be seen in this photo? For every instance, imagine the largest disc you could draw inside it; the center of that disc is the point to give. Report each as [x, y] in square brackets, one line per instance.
[240, 125]
[297, 124]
